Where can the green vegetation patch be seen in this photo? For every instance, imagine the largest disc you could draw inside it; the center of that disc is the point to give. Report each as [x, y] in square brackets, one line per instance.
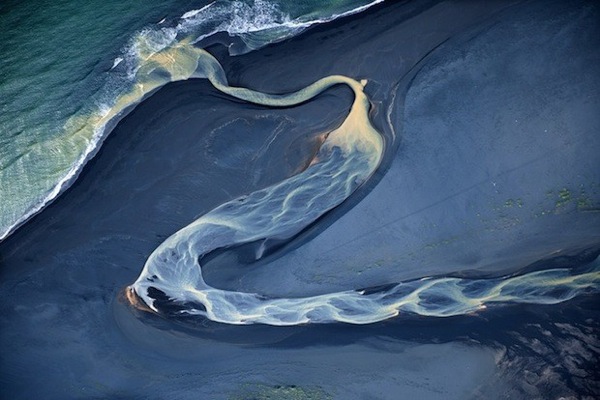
[513, 203]
[279, 392]
[564, 197]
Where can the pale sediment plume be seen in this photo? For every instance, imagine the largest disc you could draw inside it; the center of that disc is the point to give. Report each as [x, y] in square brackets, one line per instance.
[85, 131]
[347, 158]
[49, 153]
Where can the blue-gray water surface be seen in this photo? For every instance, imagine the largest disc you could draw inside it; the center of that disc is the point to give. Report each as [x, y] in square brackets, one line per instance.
[490, 172]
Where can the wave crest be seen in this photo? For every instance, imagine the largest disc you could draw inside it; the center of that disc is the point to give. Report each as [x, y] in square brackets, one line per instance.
[145, 63]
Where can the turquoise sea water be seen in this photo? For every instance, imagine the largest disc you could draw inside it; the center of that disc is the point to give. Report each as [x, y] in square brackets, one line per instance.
[207, 193]
[70, 70]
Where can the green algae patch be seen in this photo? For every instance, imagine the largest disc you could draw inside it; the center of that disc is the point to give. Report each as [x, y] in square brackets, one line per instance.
[513, 203]
[564, 197]
[566, 200]
[280, 392]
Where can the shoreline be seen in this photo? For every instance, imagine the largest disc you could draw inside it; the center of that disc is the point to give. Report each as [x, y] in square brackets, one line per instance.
[98, 139]
[187, 149]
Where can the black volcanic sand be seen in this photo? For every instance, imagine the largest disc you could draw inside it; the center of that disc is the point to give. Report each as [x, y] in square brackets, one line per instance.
[496, 165]
[450, 78]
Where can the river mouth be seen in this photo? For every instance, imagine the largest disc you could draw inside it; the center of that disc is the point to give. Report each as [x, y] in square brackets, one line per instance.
[66, 335]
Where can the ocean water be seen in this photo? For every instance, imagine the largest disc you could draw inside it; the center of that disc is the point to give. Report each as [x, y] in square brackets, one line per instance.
[299, 200]
[82, 76]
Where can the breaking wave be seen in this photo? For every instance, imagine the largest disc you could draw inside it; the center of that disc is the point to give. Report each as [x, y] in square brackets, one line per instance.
[32, 177]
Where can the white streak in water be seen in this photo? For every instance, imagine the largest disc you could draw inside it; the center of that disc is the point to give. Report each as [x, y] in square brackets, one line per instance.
[193, 13]
[172, 276]
[117, 61]
[235, 17]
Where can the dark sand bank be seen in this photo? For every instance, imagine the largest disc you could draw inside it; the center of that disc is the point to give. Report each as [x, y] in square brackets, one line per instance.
[187, 149]
[496, 166]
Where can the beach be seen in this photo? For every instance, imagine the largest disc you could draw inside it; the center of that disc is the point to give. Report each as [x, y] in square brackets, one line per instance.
[489, 170]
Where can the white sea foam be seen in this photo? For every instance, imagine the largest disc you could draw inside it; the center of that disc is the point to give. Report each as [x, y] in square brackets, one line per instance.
[63, 183]
[236, 18]
[193, 13]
